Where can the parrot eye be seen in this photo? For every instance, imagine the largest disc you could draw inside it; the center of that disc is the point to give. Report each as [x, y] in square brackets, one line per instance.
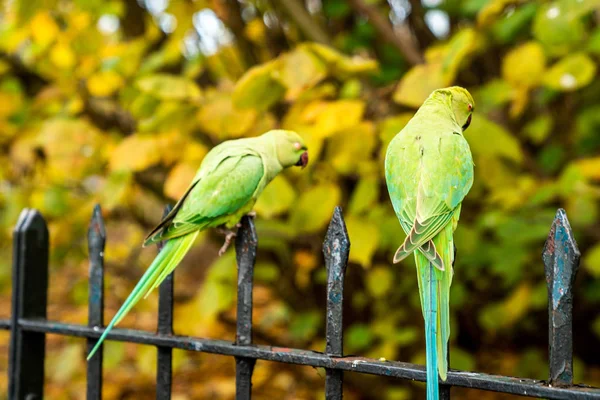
[297, 146]
[470, 107]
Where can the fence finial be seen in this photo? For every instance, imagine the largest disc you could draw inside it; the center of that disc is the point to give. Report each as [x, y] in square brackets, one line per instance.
[246, 244]
[29, 298]
[561, 261]
[336, 249]
[96, 243]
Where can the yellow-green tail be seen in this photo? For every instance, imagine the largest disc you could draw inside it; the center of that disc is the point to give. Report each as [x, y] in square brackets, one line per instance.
[164, 263]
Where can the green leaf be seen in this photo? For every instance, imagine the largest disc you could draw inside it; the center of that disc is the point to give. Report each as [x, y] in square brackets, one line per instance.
[304, 326]
[559, 26]
[358, 337]
[571, 73]
[539, 128]
[487, 138]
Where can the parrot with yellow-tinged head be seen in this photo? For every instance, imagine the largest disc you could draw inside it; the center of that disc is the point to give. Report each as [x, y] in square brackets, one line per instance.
[429, 171]
[225, 188]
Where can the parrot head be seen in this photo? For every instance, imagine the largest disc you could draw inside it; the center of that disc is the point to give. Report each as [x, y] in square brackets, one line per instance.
[291, 149]
[462, 105]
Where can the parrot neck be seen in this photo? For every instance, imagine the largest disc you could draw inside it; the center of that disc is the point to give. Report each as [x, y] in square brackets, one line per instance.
[268, 152]
[439, 106]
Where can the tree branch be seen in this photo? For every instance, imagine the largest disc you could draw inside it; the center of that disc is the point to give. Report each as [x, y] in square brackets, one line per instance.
[133, 22]
[384, 27]
[416, 18]
[307, 25]
[231, 14]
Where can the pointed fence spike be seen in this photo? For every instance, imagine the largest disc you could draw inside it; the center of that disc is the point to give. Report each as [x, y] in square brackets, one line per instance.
[336, 249]
[561, 261]
[29, 300]
[246, 245]
[96, 244]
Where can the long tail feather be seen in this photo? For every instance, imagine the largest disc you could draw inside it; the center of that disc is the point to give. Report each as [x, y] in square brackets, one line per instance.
[164, 263]
[431, 337]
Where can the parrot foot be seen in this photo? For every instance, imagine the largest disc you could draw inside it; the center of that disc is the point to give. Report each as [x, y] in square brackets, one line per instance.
[229, 235]
[252, 214]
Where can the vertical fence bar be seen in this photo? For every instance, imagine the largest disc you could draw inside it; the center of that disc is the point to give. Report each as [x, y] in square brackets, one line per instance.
[29, 299]
[246, 244]
[561, 261]
[335, 249]
[96, 243]
[164, 366]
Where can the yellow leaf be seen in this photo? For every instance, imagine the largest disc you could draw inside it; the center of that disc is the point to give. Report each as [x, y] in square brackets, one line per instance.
[418, 83]
[493, 10]
[314, 208]
[300, 70]
[255, 30]
[571, 73]
[276, 199]
[179, 180]
[73, 148]
[136, 153]
[104, 83]
[62, 56]
[43, 29]
[589, 167]
[334, 116]
[364, 237]
[349, 149]
[442, 65]
[219, 117]
[169, 87]
[340, 64]
[524, 65]
[379, 281]
[259, 88]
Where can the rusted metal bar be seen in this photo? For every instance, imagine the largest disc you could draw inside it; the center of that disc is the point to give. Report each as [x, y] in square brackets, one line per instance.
[96, 243]
[29, 299]
[164, 355]
[336, 249]
[561, 261]
[394, 369]
[246, 244]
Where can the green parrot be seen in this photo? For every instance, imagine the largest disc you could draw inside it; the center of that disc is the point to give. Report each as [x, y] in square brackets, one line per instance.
[225, 188]
[429, 171]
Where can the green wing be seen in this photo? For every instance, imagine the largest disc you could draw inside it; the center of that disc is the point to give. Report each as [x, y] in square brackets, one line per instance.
[213, 198]
[427, 178]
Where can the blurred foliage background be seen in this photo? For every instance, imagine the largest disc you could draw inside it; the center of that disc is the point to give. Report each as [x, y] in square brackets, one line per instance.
[116, 102]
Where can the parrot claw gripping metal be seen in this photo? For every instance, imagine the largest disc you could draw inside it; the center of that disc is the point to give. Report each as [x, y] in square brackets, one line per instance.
[225, 188]
[429, 171]
[229, 236]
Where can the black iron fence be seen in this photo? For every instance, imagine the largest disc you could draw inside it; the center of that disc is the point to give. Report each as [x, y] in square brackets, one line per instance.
[28, 324]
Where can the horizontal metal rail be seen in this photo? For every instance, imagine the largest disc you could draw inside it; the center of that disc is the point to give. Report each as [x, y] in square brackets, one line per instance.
[397, 369]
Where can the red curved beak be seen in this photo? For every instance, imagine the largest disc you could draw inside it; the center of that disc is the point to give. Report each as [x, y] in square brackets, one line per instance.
[303, 161]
